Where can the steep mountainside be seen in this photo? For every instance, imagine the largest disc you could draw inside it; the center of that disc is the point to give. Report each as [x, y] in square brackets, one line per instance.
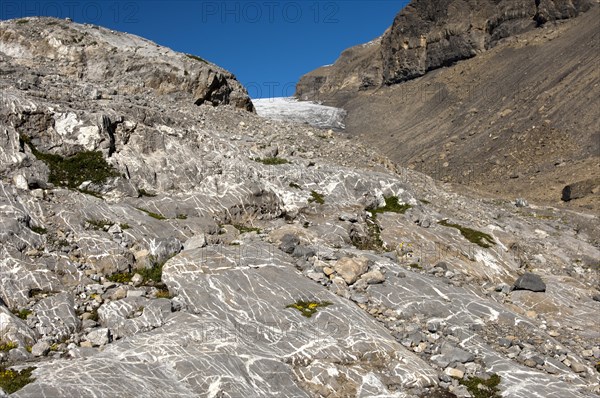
[519, 119]
[157, 239]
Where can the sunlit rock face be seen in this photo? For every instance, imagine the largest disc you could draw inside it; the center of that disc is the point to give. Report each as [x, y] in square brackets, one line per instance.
[151, 246]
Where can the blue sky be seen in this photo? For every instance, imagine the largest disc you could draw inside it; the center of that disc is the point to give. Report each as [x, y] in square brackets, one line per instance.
[267, 44]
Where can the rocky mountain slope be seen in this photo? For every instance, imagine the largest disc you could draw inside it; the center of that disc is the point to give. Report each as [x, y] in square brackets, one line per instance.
[155, 245]
[517, 116]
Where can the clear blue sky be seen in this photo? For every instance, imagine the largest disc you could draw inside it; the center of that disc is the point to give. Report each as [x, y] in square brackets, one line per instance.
[267, 44]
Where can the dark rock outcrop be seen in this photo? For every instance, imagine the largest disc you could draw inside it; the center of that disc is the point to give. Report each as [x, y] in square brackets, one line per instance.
[531, 282]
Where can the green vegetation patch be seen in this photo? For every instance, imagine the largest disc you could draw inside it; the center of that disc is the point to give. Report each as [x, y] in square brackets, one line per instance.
[121, 277]
[196, 58]
[152, 214]
[13, 380]
[308, 308]
[7, 346]
[163, 293]
[392, 205]
[99, 225]
[415, 266]
[38, 230]
[481, 388]
[479, 238]
[244, 229]
[152, 275]
[124, 226]
[23, 313]
[181, 217]
[316, 197]
[22, 21]
[373, 239]
[143, 192]
[71, 172]
[272, 161]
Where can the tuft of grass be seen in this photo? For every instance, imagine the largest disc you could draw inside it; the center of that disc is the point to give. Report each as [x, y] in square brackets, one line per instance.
[308, 308]
[181, 217]
[143, 192]
[122, 277]
[415, 266]
[94, 315]
[373, 239]
[163, 293]
[479, 238]
[7, 346]
[22, 313]
[71, 172]
[480, 388]
[295, 186]
[124, 226]
[244, 229]
[22, 21]
[316, 197]
[271, 161]
[153, 273]
[39, 230]
[151, 214]
[392, 205]
[13, 380]
[99, 225]
[196, 58]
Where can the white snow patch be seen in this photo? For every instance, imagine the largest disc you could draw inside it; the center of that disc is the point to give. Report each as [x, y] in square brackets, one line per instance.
[289, 109]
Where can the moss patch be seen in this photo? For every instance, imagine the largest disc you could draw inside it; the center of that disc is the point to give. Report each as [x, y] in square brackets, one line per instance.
[481, 388]
[308, 308]
[23, 313]
[152, 214]
[5, 347]
[163, 293]
[271, 161]
[479, 238]
[152, 275]
[122, 277]
[244, 229]
[392, 205]
[316, 197]
[39, 230]
[71, 172]
[373, 239]
[99, 225]
[143, 192]
[13, 380]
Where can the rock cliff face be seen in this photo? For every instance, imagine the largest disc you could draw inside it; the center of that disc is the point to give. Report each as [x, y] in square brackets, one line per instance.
[427, 35]
[152, 247]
